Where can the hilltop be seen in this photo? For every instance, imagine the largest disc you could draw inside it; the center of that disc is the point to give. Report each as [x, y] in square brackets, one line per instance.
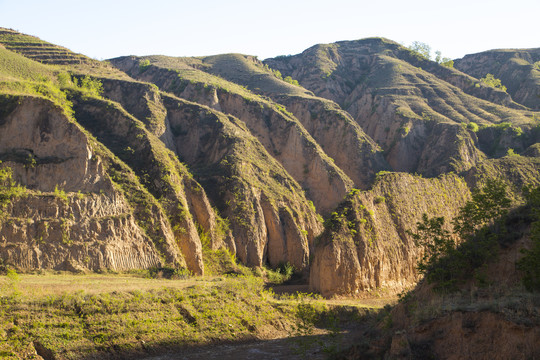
[317, 164]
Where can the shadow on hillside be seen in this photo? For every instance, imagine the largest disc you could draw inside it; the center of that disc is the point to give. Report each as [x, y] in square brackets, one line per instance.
[311, 347]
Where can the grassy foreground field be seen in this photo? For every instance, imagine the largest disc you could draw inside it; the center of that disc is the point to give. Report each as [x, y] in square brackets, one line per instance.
[95, 316]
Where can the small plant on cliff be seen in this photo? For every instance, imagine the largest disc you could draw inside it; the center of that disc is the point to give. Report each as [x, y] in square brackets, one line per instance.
[472, 126]
[493, 82]
[8, 189]
[61, 194]
[144, 65]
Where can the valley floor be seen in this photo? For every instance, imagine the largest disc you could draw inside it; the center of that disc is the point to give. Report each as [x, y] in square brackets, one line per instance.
[95, 316]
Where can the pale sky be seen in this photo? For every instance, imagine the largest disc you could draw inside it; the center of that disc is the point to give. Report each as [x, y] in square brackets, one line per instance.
[105, 29]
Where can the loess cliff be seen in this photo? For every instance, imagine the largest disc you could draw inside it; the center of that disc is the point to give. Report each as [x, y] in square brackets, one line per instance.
[323, 160]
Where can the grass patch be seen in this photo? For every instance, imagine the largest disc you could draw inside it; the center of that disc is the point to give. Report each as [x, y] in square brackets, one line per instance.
[106, 316]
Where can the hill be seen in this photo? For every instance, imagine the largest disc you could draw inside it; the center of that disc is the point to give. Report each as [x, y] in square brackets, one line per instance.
[248, 156]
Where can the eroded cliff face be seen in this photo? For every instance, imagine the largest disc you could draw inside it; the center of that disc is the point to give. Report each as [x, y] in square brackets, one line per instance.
[278, 131]
[271, 220]
[408, 105]
[46, 150]
[158, 168]
[516, 68]
[75, 216]
[141, 100]
[470, 323]
[365, 245]
[83, 232]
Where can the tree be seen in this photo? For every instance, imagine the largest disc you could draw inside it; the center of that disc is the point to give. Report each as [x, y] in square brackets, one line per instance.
[493, 82]
[421, 49]
[529, 264]
[437, 242]
[445, 263]
[488, 203]
[444, 61]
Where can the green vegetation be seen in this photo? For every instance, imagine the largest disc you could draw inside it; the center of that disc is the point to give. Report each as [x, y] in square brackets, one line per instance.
[444, 61]
[482, 225]
[530, 263]
[15, 66]
[111, 316]
[423, 51]
[144, 65]
[473, 127]
[493, 82]
[8, 189]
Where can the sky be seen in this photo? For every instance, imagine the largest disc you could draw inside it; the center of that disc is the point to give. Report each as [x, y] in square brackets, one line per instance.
[104, 29]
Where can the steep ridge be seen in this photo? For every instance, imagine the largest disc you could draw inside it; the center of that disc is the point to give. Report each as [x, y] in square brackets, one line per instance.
[405, 109]
[271, 220]
[365, 245]
[159, 170]
[278, 130]
[334, 129]
[258, 147]
[491, 303]
[91, 222]
[271, 223]
[170, 232]
[518, 70]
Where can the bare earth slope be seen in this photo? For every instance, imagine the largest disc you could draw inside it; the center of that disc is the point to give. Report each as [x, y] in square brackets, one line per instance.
[278, 130]
[418, 115]
[518, 70]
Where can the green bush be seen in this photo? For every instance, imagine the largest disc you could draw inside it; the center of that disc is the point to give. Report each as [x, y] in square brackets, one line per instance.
[472, 126]
[493, 82]
[529, 264]
[480, 224]
[8, 189]
[144, 65]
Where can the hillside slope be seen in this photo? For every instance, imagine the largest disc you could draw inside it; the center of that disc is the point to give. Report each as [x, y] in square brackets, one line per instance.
[416, 110]
[280, 132]
[268, 218]
[518, 70]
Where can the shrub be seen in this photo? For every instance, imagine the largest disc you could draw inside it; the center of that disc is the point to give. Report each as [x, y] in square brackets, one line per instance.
[472, 126]
[8, 189]
[479, 225]
[421, 50]
[379, 199]
[493, 82]
[144, 65]
[529, 264]
[91, 85]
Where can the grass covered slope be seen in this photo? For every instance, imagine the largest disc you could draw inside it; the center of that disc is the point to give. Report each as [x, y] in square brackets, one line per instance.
[365, 245]
[60, 58]
[119, 316]
[518, 70]
[404, 102]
